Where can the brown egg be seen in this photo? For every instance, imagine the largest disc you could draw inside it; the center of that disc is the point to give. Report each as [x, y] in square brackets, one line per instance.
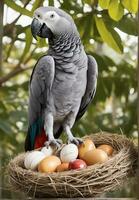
[63, 167]
[86, 146]
[49, 164]
[95, 156]
[107, 148]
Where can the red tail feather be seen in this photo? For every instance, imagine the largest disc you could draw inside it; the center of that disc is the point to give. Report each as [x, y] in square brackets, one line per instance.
[40, 140]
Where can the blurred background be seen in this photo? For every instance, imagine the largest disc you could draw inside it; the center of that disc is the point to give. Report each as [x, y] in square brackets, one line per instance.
[108, 30]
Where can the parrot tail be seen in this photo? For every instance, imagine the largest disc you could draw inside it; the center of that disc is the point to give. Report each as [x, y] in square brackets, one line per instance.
[36, 136]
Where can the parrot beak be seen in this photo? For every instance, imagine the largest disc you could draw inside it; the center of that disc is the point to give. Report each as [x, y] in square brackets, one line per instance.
[35, 27]
[40, 30]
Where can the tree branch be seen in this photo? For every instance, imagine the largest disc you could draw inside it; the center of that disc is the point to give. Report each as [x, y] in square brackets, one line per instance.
[1, 31]
[26, 3]
[18, 69]
[137, 16]
[10, 48]
[13, 73]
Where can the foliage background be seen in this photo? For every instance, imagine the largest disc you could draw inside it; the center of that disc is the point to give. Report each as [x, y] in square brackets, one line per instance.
[108, 30]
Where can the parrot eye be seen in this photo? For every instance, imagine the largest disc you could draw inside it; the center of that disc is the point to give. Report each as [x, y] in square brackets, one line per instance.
[38, 16]
[52, 15]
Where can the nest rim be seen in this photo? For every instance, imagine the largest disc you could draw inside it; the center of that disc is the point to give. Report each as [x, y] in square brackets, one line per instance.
[57, 181]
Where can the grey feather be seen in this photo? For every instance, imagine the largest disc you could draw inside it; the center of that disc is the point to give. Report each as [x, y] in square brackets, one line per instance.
[64, 82]
[92, 74]
[41, 82]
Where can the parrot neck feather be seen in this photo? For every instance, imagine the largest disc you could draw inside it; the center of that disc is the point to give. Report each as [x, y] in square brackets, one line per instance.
[65, 47]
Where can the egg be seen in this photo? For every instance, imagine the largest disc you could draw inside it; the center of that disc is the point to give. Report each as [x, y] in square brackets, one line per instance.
[77, 164]
[63, 167]
[107, 148]
[49, 164]
[86, 146]
[47, 151]
[95, 156]
[32, 159]
[69, 153]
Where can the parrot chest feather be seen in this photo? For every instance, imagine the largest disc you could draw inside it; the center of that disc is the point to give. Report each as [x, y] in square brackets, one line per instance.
[68, 88]
[70, 72]
[65, 49]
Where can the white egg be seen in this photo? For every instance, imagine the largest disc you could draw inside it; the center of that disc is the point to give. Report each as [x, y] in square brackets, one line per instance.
[32, 159]
[36, 161]
[69, 153]
[47, 151]
[27, 160]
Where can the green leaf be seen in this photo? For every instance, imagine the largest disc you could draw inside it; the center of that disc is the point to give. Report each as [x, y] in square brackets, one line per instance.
[37, 4]
[131, 5]
[87, 29]
[104, 3]
[41, 42]
[80, 22]
[5, 127]
[128, 25]
[115, 10]
[89, 1]
[109, 35]
[18, 8]
[20, 29]
[51, 2]
[103, 62]
[28, 43]
[16, 115]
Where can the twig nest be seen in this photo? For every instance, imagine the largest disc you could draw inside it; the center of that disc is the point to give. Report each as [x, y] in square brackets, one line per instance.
[89, 181]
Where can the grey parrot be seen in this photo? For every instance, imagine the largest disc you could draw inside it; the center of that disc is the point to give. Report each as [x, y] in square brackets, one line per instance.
[63, 82]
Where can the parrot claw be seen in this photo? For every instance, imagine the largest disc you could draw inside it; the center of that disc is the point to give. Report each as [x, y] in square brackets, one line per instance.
[54, 142]
[75, 140]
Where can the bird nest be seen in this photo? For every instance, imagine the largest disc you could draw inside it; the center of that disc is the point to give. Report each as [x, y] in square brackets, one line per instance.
[89, 182]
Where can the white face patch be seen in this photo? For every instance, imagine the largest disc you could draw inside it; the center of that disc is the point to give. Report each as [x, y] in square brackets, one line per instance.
[51, 15]
[38, 16]
[50, 19]
[56, 23]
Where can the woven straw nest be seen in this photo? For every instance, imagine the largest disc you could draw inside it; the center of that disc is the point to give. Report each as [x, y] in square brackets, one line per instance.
[88, 182]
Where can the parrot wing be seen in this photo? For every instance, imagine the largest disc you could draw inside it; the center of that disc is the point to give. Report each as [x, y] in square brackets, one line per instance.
[39, 96]
[92, 74]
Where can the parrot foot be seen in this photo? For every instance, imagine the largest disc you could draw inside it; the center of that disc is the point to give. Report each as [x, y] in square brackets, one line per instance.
[54, 142]
[75, 140]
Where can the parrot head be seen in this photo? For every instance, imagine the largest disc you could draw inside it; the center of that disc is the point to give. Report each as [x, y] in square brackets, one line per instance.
[51, 22]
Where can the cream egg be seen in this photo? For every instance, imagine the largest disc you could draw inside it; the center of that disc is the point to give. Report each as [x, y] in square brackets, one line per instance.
[69, 153]
[49, 164]
[32, 159]
[47, 151]
[95, 156]
[86, 146]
